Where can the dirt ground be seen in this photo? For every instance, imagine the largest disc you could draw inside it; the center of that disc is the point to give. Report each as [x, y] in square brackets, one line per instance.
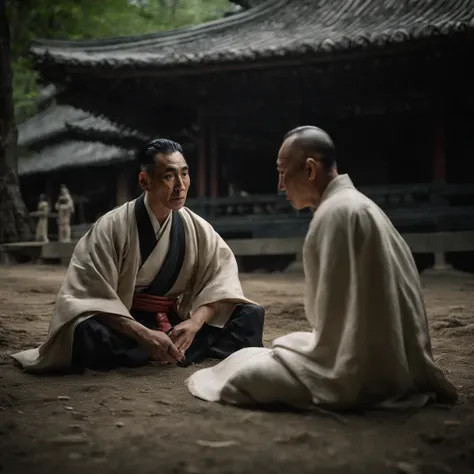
[145, 421]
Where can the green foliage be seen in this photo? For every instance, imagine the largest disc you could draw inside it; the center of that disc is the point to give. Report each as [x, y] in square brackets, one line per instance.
[90, 19]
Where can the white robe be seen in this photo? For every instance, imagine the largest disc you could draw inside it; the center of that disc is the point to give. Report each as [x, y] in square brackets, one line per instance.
[370, 343]
[105, 271]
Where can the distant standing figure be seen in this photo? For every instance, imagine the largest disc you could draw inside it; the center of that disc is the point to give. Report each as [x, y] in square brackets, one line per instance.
[42, 223]
[63, 207]
[64, 191]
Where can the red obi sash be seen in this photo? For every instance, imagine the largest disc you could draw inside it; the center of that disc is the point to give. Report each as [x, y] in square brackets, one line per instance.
[160, 305]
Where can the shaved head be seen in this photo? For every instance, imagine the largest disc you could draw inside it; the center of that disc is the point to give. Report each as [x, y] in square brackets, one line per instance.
[306, 164]
[310, 142]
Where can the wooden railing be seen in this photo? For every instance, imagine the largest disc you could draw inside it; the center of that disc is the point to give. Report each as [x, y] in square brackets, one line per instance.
[412, 208]
[430, 206]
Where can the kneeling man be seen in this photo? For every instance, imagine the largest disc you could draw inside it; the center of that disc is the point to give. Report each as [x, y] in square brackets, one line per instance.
[370, 342]
[151, 280]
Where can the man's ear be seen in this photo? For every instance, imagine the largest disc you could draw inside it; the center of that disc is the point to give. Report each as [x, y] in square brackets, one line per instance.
[312, 168]
[143, 180]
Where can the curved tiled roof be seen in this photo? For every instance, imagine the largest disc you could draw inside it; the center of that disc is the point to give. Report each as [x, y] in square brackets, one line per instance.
[72, 154]
[83, 149]
[247, 3]
[47, 124]
[103, 129]
[58, 120]
[273, 29]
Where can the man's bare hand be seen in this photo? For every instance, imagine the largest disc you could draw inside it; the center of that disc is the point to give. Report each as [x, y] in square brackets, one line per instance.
[183, 334]
[160, 347]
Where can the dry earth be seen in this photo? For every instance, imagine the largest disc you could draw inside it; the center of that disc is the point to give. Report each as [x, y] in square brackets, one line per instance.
[145, 421]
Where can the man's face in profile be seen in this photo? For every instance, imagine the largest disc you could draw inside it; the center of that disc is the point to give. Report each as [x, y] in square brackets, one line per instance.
[293, 177]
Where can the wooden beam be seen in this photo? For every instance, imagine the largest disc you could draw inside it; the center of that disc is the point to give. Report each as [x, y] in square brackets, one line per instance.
[214, 159]
[430, 242]
[439, 176]
[418, 243]
[201, 154]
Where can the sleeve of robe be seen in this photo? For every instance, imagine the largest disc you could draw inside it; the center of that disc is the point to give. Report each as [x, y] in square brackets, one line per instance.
[216, 277]
[92, 280]
[91, 285]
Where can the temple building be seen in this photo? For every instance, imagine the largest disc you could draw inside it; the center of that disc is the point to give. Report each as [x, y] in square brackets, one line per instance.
[388, 80]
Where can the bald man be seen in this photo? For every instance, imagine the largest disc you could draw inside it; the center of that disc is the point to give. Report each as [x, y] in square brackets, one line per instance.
[370, 344]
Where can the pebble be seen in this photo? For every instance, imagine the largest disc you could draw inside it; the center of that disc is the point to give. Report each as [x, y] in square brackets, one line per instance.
[452, 423]
[432, 438]
[216, 444]
[78, 416]
[63, 397]
[119, 424]
[406, 468]
[75, 427]
[191, 469]
[68, 408]
[98, 452]
[75, 456]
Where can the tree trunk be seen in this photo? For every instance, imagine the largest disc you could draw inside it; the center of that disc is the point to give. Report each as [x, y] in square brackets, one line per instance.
[174, 6]
[15, 225]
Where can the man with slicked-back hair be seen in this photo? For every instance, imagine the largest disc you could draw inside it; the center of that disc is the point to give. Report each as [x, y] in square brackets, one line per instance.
[150, 281]
[370, 344]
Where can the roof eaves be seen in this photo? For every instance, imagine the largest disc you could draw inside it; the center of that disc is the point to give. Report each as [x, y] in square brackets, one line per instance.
[321, 50]
[73, 154]
[121, 43]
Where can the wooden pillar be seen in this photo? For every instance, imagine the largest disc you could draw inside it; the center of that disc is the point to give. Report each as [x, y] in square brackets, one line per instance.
[201, 154]
[82, 212]
[439, 177]
[439, 153]
[122, 191]
[214, 159]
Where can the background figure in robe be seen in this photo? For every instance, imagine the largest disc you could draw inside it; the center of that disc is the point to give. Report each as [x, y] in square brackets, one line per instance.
[151, 280]
[64, 192]
[42, 222]
[64, 208]
[370, 342]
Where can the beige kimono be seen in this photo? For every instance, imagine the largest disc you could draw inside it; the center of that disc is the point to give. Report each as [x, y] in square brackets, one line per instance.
[105, 271]
[370, 343]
